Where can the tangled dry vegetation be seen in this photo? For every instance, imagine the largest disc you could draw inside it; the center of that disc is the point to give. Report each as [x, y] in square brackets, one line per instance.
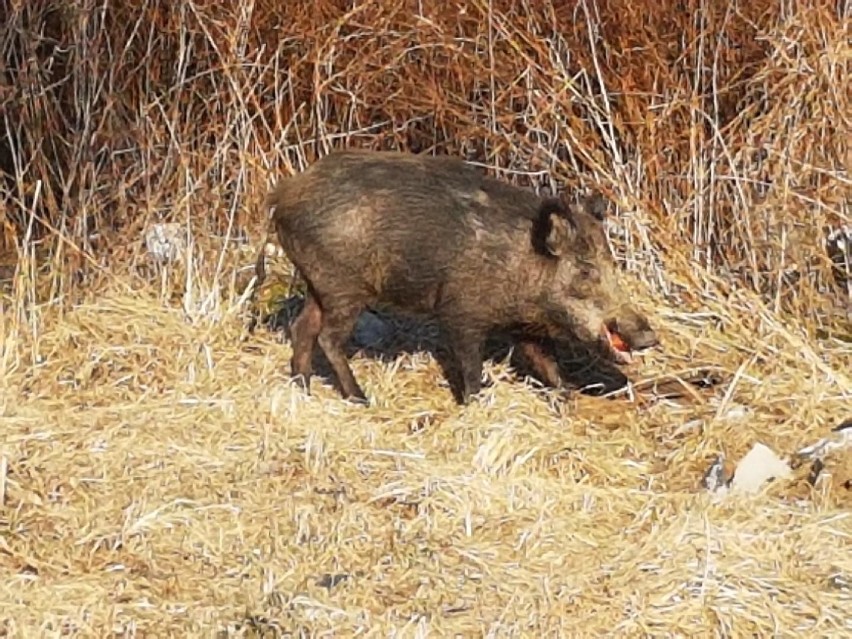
[160, 477]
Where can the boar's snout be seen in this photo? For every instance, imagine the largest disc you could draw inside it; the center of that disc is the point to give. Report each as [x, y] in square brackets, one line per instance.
[643, 340]
[633, 330]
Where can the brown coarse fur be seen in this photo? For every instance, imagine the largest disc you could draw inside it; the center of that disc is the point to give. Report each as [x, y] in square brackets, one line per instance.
[432, 235]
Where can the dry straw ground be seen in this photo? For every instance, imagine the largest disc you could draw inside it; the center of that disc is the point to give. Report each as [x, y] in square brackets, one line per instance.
[160, 477]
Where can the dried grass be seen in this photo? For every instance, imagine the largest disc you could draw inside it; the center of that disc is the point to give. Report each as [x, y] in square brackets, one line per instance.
[159, 476]
[164, 478]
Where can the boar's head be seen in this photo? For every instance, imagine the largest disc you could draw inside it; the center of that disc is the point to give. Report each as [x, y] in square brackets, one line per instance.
[584, 291]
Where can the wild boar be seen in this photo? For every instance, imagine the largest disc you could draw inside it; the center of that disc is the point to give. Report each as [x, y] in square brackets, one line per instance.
[435, 236]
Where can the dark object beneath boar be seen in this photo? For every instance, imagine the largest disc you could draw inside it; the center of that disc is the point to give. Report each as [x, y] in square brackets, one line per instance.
[435, 236]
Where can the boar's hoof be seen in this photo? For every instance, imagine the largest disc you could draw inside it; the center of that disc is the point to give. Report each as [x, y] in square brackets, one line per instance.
[358, 400]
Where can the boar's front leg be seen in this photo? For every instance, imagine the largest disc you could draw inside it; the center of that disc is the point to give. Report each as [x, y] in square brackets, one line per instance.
[466, 346]
[543, 363]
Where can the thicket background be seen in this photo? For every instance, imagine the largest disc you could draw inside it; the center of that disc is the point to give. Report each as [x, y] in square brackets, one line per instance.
[720, 129]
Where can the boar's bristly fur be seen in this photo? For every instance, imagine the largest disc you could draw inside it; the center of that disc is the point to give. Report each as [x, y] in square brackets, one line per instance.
[436, 236]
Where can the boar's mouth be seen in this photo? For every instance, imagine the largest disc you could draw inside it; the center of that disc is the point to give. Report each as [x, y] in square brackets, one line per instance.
[623, 345]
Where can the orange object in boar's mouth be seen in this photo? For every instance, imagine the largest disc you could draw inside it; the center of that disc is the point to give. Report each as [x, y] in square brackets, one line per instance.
[618, 345]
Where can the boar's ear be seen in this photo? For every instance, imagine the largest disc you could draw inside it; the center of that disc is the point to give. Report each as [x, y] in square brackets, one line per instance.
[553, 229]
[595, 205]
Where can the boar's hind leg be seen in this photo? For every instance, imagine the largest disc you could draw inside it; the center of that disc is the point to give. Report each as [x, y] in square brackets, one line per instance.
[542, 363]
[303, 335]
[338, 323]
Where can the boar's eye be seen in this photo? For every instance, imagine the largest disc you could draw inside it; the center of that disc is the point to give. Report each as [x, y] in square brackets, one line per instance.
[589, 272]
